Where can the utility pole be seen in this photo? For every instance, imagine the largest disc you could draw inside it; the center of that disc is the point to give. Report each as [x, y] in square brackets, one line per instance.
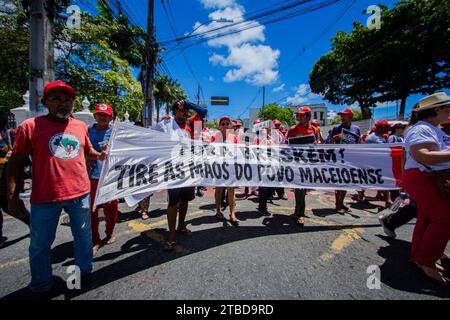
[264, 96]
[41, 67]
[198, 95]
[149, 67]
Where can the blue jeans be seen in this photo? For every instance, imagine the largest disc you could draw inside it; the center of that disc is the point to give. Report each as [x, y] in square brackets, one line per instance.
[44, 221]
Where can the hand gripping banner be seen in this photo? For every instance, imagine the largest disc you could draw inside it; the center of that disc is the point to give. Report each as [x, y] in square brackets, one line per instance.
[142, 160]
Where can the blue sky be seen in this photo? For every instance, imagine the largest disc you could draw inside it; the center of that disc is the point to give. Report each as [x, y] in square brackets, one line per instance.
[278, 56]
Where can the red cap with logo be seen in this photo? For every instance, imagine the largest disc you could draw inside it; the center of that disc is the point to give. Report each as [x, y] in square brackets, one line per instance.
[256, 121]
[104, 108]
[276, 122]
[382, 123]
[347, 111]
[59, 86]
[224, 118]
[303, 110]
[282, 129]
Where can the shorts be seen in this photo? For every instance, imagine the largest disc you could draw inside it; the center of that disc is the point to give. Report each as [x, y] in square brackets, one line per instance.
[176, 195]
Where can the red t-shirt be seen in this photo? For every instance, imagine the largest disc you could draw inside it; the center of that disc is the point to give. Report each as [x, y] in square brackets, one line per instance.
[298, 130]
[188, 129]
[218, 137]
[57, 150]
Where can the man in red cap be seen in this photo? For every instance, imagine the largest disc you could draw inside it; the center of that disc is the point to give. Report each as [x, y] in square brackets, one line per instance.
[378, 135]
[99, 135]
[337, 136]
[59, 145]
[302, 128]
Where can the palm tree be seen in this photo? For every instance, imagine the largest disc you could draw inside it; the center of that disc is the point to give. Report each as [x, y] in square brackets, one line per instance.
[166, 90]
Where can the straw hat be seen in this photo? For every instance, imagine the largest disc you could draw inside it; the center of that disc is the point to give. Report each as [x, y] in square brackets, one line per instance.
[437, 99]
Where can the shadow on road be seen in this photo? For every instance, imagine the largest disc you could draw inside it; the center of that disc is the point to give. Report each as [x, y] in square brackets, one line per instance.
[146, 251]
[398, 273]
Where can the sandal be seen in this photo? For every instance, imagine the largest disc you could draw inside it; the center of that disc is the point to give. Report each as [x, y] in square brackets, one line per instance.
[234, 221]
[110, 239]
[185, 231]
[144, 215]
[433, 275]
[169, 245]
[300, 222]
[220, 216]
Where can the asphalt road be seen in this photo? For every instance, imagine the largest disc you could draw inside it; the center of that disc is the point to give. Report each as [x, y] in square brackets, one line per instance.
[262, 258]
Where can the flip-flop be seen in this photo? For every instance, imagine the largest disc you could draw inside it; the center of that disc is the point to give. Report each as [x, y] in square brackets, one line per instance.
[111, 239]
[220, 216]
[169, 245]
[185, 231]
[144, 215]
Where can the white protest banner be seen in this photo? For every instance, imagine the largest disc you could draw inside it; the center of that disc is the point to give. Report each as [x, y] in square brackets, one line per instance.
[142, 160]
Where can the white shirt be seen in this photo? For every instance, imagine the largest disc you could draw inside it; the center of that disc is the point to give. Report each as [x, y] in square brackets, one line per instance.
[421, 133]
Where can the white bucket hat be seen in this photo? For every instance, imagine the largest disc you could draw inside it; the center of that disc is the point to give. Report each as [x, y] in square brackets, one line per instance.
[435, 100]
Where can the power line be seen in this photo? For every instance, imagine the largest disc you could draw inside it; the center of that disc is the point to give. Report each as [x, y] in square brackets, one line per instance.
[288, 16]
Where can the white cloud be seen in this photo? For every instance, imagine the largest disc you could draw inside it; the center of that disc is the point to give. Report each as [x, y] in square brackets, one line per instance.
[279, 88]
[303, 94]
[253, 63]
[213, 4]
[249, 61]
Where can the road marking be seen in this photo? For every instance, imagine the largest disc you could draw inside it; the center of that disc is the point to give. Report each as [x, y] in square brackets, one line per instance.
[13, 263]
[342, 242]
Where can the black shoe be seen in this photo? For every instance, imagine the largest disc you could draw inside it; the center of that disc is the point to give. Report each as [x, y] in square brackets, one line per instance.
[263, 211]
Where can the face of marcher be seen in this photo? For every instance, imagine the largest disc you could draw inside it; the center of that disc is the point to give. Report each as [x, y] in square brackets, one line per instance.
[181, 115]
[59, 104]
[383, 130]
[224, 125]
[103, 119]
[443, 113]
[346, 119]
[399, 131]
[303, 119]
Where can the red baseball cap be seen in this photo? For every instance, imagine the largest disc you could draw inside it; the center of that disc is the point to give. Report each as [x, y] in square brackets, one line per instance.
[256, 121]
[303, 110]
[282, 129]
[347, 111]
[382, 123]
[276, 122]
[59, 86]
[315, 122]
[224, 118]
[104, 108]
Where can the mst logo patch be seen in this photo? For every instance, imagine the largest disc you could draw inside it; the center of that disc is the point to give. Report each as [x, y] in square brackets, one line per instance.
[64, 145]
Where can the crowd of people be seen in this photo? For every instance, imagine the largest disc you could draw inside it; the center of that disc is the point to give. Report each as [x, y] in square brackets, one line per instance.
[67, 158]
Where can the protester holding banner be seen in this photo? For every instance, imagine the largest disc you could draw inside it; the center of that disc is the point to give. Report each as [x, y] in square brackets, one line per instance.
[378, 136]
[99, 135]
[344, 133]
[179, 198]
[225, 135]
[302, 129]
[58, 144]
[427, 154]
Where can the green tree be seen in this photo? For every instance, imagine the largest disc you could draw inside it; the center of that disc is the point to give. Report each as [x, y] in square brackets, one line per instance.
[408, 54]
[274, 111]
[88, 60]
[14, 43]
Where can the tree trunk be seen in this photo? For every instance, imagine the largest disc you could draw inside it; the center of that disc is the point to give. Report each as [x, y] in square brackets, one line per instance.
[366, 112]
[401, 114]
[158, 107]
